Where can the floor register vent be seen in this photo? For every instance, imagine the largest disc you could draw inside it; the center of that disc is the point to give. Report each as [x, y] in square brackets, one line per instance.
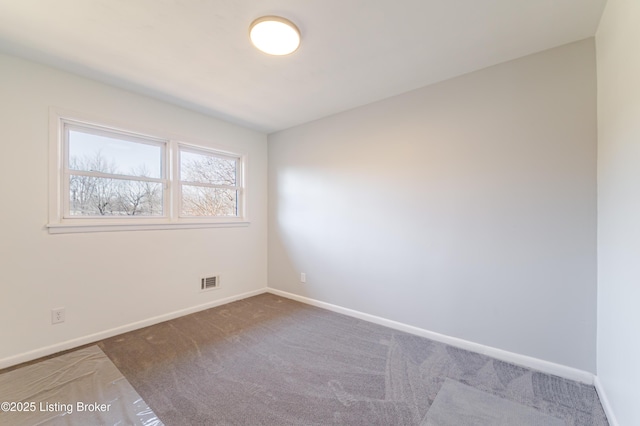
[209, 283]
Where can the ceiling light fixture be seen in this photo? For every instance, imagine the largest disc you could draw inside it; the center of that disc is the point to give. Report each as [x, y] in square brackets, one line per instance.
[274, 35]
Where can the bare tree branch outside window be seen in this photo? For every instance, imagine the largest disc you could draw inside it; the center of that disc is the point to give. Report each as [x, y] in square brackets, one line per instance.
[202, 200]
[117, 173]
[100, 196]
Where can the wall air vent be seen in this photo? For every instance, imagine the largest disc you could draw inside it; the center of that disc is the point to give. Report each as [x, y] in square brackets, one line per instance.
[209, 283]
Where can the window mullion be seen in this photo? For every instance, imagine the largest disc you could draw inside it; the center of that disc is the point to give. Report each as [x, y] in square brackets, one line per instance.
[116, 176]
[210, 185]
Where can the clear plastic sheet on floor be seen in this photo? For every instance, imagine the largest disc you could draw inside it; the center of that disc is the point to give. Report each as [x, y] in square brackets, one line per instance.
[78, 388]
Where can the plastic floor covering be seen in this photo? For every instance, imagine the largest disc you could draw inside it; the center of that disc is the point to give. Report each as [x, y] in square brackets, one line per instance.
[78, 388]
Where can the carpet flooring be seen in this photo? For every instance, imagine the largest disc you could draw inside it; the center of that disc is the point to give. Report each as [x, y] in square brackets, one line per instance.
[458, 404]
[268, 360]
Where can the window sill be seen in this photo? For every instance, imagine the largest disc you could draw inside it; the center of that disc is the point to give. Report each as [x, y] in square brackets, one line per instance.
[68, 228]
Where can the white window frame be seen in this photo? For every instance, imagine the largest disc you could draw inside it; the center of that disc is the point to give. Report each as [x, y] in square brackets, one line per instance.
[239, 187]
[69, 125]
[60, 220]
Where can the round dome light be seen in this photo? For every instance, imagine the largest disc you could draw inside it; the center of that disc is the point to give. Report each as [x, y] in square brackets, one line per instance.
[274, 35]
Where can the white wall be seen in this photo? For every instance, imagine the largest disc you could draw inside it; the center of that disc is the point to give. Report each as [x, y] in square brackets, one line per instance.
[467, 208]
[618, 59]
[106, 280]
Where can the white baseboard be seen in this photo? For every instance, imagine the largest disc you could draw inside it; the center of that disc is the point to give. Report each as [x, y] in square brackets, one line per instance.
[604, 400]
[523, 360]
[73, 343]
[526, 361]
[514, 358]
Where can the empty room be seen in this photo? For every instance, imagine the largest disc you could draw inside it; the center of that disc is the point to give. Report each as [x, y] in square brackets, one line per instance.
[279, 212]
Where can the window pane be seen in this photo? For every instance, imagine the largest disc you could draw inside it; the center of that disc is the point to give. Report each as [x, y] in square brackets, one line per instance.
[205, 201]
[89, 152]
[210, 169]
[93, 196]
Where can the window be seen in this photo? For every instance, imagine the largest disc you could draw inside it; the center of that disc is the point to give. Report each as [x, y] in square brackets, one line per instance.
[109, 173]
[105, 178]
[209, 184]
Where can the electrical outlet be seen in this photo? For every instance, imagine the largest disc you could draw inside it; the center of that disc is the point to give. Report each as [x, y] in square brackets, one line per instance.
[57, 315]
[303, 277]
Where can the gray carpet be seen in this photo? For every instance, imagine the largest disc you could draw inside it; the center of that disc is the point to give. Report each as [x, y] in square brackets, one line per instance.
[458, 405]
[267, 360]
